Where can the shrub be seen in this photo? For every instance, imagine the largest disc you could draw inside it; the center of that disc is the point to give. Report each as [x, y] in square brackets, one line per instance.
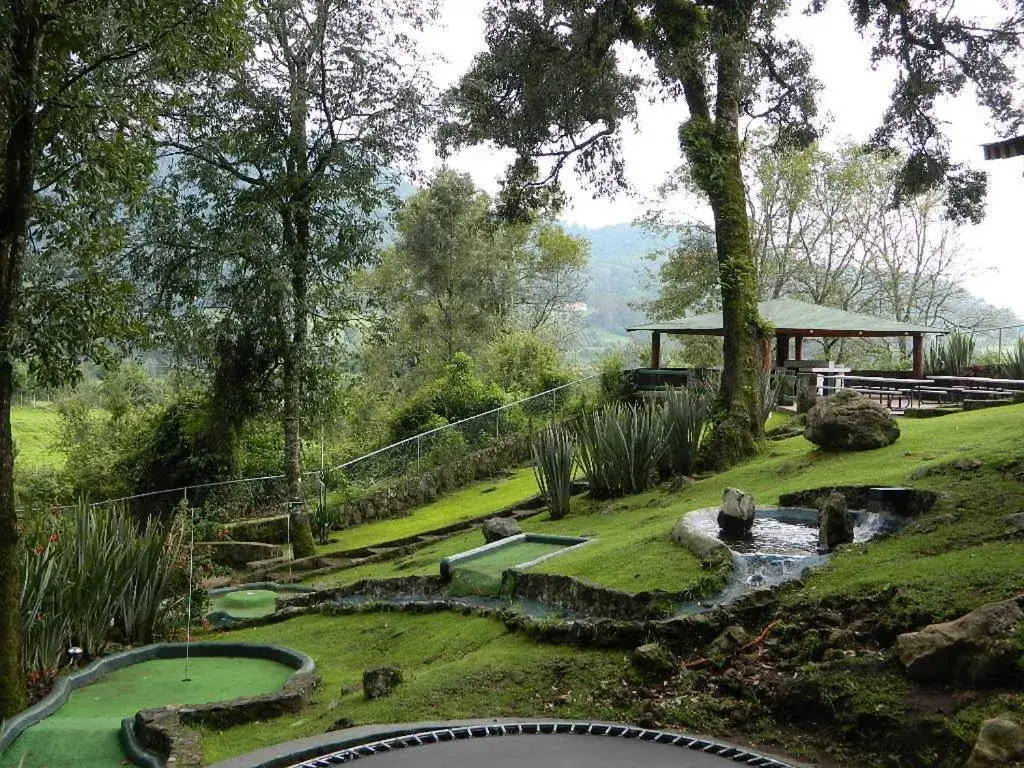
[950, 356]
[687, 415]
[553, 456]
[616, 382]
[324, 519]
[89, 577]
[770, 386]
[1012, 366]
[457, 394]
[619, 448]
[525, 363]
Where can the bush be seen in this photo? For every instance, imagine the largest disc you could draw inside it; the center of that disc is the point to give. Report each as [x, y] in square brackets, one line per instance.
[39, 487]
[1012, 366]
[950, 356]
[457, 394]
[687, 415]
[553, 457]
[616, 382]
[324, 519]
[525, 363]
[619, 448]
[89, 577]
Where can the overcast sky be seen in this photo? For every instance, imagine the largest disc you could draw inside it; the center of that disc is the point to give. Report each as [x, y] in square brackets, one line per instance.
[854, 95]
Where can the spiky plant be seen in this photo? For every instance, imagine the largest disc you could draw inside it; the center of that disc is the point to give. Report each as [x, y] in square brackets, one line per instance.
[951, 356]
[619, 448]
[1012, 366]
[553, 457]
[687, 415]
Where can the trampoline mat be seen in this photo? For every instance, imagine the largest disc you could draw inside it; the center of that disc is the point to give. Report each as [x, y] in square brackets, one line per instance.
[562, 745]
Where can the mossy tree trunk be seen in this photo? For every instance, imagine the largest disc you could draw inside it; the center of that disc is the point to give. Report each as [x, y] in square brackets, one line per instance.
[710, 141]
[15, 209]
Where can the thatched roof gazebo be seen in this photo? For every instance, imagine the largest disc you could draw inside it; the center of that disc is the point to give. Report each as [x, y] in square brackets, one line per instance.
[796, 320]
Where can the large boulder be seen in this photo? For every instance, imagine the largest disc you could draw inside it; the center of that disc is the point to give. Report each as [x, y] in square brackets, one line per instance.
[736, 517]
[380, 681]
[1000, 742]
[976, 649]
[849, 421]
[498, 528]
[654, 662]
[835, 523]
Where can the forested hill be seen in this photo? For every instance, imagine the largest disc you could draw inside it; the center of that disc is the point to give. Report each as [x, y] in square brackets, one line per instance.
[618, 275]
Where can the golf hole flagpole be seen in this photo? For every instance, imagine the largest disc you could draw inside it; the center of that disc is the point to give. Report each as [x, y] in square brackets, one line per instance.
[191, 550]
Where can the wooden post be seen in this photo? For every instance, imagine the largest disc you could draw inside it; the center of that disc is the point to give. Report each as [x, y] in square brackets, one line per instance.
[918, 356]
[655, 350]
[766, 353]
[781, 350]
[798, 347]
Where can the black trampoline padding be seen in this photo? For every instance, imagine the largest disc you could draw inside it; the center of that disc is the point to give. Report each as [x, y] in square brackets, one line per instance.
[546, 751]
[552, 745]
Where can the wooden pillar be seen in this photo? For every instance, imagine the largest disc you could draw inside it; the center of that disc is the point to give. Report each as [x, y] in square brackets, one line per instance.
[781, 350]
[798, 347]
[918, 356]
[655, 350]
[766, 353]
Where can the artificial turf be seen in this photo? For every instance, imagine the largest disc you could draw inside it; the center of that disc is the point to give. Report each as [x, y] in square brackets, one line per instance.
[84, 732]
[245, 603]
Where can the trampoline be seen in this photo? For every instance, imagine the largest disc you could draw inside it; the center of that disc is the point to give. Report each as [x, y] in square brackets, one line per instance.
[553, 745]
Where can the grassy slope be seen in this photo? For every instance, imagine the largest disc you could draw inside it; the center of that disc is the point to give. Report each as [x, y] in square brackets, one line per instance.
[635, 552]
[954, 559]
[35, 431]
[477, 499]
[453, 666]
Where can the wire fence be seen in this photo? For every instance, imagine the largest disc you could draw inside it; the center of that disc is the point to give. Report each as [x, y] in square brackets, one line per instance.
[1000, 338]
[253, 497]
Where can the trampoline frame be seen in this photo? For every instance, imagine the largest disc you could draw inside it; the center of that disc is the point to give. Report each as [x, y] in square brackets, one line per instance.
[460, 733]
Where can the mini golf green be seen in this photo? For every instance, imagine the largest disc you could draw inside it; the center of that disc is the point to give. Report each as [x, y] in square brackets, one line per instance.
[245, 603]
[84, 732]
[482, 574]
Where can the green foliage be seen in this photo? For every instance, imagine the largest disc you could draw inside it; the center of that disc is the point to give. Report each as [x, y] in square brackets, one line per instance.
[616, 382]
[687, 415]
[553, 463]
[324, 519]
[457, 394]
[950, 356]
[1012, 364]
[444, 447]
[525, 363]
[129, 387]
[91, 576]
[619, 448]
[39, 487]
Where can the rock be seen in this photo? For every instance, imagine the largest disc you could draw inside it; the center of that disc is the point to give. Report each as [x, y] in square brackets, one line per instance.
[807, 397]
[1000, 742]
[1016, 521]
[654, 662]
[835, 523]
[340, 724]
[562, 700]
[736, 517]
[731, 638]
[848, 421]
[498, 528]
[975, 649]
[381, 681]
[966, 465]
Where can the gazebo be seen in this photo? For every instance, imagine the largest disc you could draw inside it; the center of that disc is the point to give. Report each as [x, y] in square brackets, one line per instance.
[796, 320]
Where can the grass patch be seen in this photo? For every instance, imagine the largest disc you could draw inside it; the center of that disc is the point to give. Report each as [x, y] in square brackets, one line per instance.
[453, 667]
[478, 499]
[35, 435]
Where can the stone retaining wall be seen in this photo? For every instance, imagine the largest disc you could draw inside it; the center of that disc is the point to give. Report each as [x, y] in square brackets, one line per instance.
[590, 599]
[397, 499]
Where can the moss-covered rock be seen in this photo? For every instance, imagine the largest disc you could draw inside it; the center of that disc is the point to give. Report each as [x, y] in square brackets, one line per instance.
[848, 421]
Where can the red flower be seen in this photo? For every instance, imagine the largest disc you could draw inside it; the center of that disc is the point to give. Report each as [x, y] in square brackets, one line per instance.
[39, 550]
[39, 617]
[54, 536]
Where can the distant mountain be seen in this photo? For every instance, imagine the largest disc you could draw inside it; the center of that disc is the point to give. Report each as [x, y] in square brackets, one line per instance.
[618, 274]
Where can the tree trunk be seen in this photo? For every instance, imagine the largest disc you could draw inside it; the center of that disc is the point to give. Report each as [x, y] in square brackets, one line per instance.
[15, 208]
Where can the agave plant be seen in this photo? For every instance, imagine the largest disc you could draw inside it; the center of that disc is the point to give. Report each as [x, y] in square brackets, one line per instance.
[951, 356]
[687, 414]
[553, 458]
[619, 448]
[1012, 366]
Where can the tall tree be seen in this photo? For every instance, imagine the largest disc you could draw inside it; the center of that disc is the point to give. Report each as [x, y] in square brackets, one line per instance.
[281, 179]
[550, 86]
[81, 86]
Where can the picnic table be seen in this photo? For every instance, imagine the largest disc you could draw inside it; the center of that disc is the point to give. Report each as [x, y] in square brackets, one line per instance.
[889, 389]
[981, 382]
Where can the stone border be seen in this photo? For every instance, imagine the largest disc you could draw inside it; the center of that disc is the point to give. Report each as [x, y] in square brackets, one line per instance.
[570, 542]
[307, 749]
[220, 619]
[303, 678]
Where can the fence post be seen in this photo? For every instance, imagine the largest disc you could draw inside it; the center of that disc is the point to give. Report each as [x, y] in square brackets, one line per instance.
[417, 454]
[1000, 343]
[497, 425]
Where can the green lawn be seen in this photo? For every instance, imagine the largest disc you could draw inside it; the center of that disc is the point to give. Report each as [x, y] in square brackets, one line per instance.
[634, 551]
[474, 500]
[453, 667]
[35, 432]
[86, 730]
